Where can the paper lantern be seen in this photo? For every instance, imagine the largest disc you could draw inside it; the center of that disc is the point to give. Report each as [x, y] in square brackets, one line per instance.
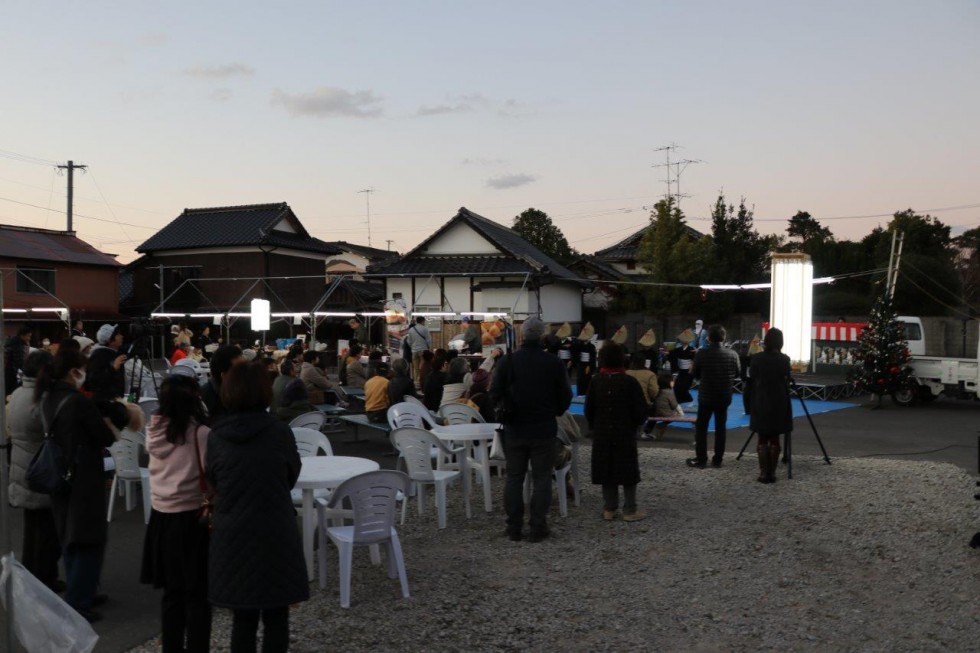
[791, 304]
[261, 315]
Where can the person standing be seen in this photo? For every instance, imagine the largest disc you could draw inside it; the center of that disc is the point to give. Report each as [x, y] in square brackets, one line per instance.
[533, 384]
[16, 350]
[700, 335]
[681, 360]
[175, 549]
[255, 565]
[717, 368]
[225, 357]
[78, 329]
[359, 333]
[105, 375]
[770, 412]
[42, 549]
[78, 427]
[585, 362]
[419, 340]
[615, 407]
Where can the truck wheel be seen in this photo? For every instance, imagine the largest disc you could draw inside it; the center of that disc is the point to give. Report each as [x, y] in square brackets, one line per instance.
[906, 396]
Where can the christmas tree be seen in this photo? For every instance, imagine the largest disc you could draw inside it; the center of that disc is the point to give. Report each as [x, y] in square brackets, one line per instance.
[883, 353]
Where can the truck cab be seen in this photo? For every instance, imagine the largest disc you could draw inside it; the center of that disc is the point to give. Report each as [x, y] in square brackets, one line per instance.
[914, 335]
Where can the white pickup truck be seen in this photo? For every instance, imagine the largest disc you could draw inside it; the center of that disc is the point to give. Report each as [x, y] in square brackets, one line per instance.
[937, 375]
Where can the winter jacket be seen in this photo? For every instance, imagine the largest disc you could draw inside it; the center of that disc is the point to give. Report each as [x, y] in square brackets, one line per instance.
[451, 392]
[665, 403]
[26, 434]
[769, 397]
[79, 514]
[256, 556]
[101, 378]
[278, 385]
[175, 468]
[15, 353]
[399, 386]
[614, 407]
[536, 385]
[376, 394]
[432, 392]
[717, 368]
[356, 377]
[648, 383]
[315, 380]
[418, 338]
[211, 395]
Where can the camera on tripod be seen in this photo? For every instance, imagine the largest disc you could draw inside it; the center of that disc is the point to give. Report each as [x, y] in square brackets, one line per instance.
[141, 327]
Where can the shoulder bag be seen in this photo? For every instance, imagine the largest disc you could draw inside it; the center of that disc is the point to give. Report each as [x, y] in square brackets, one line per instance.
[49, 471]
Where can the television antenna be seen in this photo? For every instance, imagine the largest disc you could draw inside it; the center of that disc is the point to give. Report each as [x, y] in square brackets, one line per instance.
[367, 199]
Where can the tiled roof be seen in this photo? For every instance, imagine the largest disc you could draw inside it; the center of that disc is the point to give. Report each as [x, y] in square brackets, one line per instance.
[49, 246]
[522, 254]
[370, 253]
[456, 265]
[231, 226]
[605, 271]
[626, 248]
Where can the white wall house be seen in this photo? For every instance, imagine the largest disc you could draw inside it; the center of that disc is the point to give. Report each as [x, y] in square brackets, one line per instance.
[472, 264]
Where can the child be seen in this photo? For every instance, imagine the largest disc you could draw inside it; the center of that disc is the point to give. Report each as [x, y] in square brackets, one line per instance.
[664, 405]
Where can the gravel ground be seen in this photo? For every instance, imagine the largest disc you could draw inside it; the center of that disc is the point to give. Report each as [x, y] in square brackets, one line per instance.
[860, 555]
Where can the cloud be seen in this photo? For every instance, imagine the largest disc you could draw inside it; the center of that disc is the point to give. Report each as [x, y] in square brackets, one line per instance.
[154, 39]
[481, 161]
[220, 94]
[439, 109]
[510, 181]
[221, 71]
[513, 109]
[327, 101]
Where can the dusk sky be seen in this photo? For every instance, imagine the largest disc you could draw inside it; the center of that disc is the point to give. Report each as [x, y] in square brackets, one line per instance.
[837, 108]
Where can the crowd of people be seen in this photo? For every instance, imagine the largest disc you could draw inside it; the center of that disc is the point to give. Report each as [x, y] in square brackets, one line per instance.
[222, 459]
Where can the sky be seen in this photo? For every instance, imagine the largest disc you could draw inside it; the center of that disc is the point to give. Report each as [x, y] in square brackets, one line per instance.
[841, 109]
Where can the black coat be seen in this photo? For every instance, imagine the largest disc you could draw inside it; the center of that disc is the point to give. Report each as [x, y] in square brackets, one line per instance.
[769, 398]
[79, 515]
[101, 378]
[256, 558]
[399, 386]
[716, 367]
[432, 392]
[536, 383]
[614, 407]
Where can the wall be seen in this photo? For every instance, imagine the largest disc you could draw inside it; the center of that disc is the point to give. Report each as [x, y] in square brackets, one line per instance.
[90, 288]
[460, 239]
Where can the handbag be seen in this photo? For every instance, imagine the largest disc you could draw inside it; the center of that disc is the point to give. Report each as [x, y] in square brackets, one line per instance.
[205, 515]
[49, 471]
[497, 446]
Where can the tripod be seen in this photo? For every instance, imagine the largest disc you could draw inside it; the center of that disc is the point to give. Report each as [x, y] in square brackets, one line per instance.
[137, 350]
[788, 449]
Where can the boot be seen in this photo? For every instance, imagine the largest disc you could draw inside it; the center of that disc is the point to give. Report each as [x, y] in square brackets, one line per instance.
[773, 462]
[763, 452]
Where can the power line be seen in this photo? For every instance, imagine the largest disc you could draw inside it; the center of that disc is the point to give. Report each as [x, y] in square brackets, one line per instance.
[79, 215]
[26, 158]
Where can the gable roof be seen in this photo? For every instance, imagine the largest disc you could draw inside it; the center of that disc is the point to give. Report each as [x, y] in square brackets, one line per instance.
[604, 271]
[236, 226]
[528, 257]
[626, 248]
[50, 246]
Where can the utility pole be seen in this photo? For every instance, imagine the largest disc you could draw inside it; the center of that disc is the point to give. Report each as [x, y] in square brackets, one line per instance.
[367, 198]
[71, 167]
[898, 263]
[389, 242]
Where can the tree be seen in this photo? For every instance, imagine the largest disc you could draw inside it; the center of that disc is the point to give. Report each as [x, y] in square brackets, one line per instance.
[968, 267]
[807, 229]
[536, 227]
[928, 283]
[673, 255]
[883, 353]
[739, 254]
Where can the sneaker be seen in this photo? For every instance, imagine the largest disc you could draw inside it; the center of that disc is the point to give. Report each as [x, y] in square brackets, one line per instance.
[694, 462]
[647, 436]
[634, 516]
[716, 462]
[609, 515]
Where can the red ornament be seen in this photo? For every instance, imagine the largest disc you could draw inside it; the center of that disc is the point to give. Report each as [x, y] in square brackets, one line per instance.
[893, 370]
[881, 382]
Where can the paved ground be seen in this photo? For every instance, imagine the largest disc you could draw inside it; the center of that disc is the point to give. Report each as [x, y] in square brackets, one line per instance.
[944, 431]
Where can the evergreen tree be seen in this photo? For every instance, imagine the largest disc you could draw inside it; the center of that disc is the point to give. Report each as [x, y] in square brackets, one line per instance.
[536, 227]
[883, 353]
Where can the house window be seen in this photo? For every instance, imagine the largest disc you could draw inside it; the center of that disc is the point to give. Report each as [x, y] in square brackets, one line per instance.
[432, 322]
[630, 265]
[35, 280]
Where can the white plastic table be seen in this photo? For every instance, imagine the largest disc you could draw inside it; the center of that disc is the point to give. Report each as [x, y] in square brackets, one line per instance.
[324, 473]
[481, 435]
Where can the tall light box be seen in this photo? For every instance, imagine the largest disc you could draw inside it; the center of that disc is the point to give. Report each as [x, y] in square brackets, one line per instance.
[791, 305]
[260, 315]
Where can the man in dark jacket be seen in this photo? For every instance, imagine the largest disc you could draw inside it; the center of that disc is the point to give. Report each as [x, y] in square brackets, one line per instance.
[535, 386]
[105, 376]
[717, 368]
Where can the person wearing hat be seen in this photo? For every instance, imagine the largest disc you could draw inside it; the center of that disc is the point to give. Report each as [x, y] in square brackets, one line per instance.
[681, 359]
[478, 397]
[105, 376]
[473, 344]
[700, 335]
[84, 344]
[532, 386]
[585, 360]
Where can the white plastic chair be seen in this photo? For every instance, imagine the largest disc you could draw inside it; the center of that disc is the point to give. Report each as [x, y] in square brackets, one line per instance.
[372, 497]
[128, 473]
[407, 414]
[416, 446]
[457, 413]
[409, 399]
[148, 405]
[312, 420]
[561, 479]
[310, 442]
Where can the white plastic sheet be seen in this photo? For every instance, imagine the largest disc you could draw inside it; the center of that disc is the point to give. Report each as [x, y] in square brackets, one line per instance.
[43, 622]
